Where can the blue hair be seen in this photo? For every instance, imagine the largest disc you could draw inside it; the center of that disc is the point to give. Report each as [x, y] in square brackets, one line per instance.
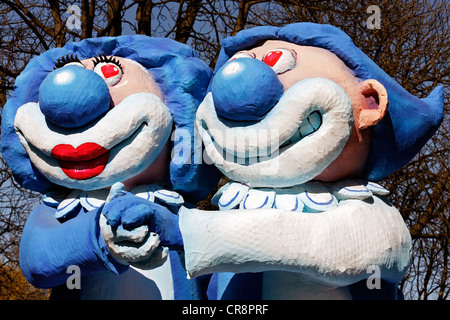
[410, 122]
[181, 75]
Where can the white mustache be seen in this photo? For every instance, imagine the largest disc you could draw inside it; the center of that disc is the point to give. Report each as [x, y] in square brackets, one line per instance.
[315, 105]
[115, 126]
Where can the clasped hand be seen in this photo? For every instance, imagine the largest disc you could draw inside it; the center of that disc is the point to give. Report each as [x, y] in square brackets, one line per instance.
[137, 231]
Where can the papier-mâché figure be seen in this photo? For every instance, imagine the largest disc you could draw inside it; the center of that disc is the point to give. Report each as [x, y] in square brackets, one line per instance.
[99, 113]
[304, 124]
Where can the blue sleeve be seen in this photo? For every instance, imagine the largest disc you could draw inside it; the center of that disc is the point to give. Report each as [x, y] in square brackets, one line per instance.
[48, 247]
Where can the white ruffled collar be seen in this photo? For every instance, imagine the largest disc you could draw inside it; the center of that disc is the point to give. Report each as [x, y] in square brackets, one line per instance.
[309, 197]
[90, 200]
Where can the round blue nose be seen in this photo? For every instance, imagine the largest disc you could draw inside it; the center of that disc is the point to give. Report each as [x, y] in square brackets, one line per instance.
[245, 89]
[73, 96]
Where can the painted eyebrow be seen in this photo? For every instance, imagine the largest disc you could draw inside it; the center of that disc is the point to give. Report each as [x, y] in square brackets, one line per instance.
[294, 53]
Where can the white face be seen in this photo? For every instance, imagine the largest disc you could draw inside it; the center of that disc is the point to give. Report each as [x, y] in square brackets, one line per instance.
[301, 136]
[116, 147]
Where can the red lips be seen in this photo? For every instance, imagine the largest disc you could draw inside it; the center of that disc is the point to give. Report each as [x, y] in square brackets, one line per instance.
[86, 161]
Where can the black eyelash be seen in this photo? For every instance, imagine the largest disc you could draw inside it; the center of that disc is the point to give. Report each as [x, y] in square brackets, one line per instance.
[103, 58]
[68, 58]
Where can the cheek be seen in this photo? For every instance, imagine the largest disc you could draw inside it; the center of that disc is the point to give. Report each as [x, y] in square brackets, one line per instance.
[155, 173]
[289, 78]
[351, 162]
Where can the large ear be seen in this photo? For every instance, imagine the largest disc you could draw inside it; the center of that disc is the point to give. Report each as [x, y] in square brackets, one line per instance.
[374, 104]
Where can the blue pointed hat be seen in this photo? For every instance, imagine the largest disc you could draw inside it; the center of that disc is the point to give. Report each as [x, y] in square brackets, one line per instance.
[181, 75]
[410, 122]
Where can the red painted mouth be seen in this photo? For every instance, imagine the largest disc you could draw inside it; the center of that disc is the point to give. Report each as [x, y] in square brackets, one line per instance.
[86, 161]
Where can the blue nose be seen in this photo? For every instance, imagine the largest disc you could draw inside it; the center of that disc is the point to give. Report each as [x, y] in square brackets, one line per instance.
[245, 89]
[73, 96]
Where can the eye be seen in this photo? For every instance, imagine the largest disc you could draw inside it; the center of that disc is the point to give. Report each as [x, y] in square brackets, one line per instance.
[69, 59]
[109, 69]
[241, 55]
[281, 60]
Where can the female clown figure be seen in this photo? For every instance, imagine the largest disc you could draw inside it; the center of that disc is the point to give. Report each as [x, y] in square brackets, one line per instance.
[94, 126]
[304, 124]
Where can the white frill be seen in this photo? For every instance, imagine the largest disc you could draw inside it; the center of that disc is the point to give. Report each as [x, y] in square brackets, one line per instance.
[312, 196]
[90, 200]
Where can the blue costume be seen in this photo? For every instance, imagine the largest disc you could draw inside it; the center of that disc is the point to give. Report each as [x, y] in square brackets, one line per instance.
[64, 230]
[271, 253]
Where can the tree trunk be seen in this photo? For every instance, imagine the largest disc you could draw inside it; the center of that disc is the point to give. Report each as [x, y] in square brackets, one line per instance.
[144, 17]
[185, 20]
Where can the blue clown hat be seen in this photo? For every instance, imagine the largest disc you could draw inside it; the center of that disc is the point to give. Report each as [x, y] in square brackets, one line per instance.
[181, 75]
[410, 122]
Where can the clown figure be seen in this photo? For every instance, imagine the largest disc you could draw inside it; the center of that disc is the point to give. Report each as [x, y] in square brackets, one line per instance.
[93, 126]
[303, 123]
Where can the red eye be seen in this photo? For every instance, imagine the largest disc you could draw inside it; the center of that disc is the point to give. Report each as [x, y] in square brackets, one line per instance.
[272, 57]
[280, 60]
[110, 70]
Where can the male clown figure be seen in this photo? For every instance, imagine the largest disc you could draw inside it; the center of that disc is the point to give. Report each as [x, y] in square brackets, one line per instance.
[302, 212]
[303, 123]
[92, 126]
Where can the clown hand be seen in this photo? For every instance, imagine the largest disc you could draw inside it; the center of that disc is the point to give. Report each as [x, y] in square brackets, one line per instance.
[137, 231]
